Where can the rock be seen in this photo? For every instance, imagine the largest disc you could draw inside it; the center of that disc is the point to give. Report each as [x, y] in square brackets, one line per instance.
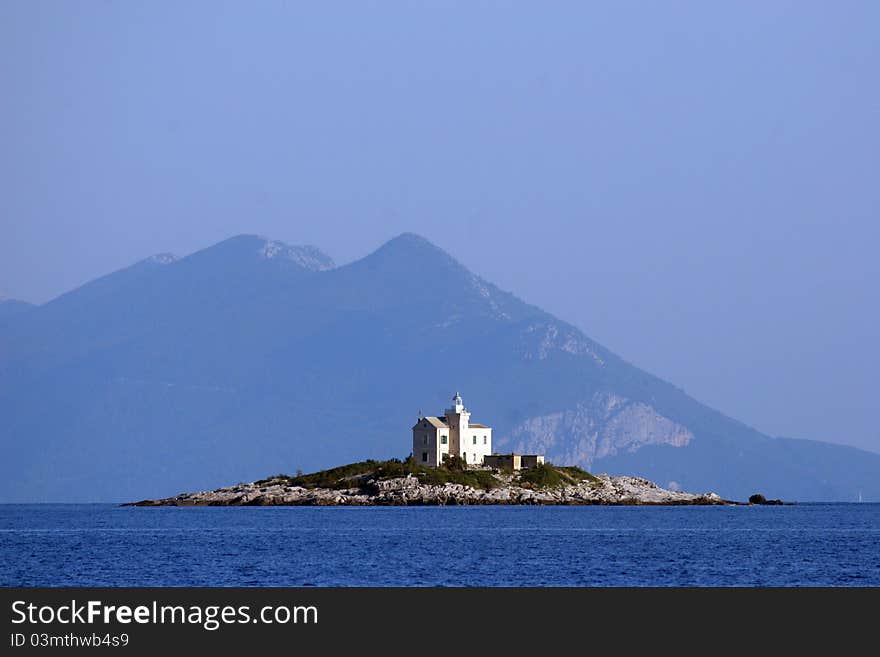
[757, 498]
[409, 491]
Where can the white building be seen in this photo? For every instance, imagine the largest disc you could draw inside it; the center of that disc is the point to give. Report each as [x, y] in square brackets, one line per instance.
[436, 437]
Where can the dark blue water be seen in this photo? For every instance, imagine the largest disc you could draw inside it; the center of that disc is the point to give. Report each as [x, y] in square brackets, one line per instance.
[103, 545]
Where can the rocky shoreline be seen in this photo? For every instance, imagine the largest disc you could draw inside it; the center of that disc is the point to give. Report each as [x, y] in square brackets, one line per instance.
[409, 491]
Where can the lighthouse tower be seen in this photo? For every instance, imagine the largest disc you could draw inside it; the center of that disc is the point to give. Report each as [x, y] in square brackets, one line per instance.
[458, 419]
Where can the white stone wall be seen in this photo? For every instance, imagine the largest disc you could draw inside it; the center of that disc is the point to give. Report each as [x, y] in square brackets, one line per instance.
[442, 449]
[476, 442]
[428, 439]
[425, 443]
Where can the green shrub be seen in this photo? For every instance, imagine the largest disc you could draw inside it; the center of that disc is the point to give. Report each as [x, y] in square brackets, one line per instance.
[576, 473]
[358, 475]
[454, 463]
[547, 475]
[280, 478]
[453, 471]
[541, 476]
[343, 476]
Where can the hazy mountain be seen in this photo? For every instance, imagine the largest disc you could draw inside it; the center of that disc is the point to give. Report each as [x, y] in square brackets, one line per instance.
[12, 307]
[253, 357]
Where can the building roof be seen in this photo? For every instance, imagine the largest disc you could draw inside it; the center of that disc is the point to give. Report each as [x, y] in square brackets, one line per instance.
[433, 421]
[440, 423]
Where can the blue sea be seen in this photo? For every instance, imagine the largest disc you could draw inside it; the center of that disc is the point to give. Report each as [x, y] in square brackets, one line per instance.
[107, 545]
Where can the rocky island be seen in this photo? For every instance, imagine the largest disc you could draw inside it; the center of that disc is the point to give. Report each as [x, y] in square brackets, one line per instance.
[406, 483]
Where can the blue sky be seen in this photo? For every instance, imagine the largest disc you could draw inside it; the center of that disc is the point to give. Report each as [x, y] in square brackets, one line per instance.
[693, 184]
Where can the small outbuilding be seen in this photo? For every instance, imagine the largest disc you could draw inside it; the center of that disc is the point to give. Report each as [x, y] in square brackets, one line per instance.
[513, 461]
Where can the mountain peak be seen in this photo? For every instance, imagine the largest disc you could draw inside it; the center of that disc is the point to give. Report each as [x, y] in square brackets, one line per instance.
[412, 242]
[306, 256]
[247, 247]
[410, 266]
[411, 239]
[408, 247]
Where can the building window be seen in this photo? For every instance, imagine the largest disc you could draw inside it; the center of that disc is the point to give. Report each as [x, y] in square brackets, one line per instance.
[442, 440]
[475, 440]
[485, 440]
[425, 456]
[424, 440]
